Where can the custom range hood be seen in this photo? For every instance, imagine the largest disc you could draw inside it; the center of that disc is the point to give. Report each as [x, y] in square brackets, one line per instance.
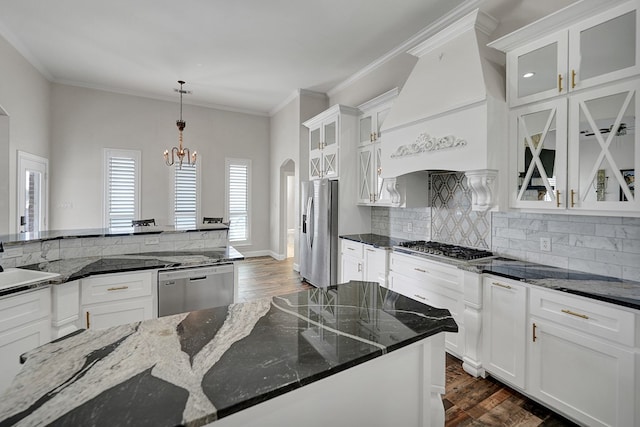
[451, 113]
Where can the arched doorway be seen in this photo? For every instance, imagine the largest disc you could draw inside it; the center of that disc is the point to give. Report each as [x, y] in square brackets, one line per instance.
[287, 208]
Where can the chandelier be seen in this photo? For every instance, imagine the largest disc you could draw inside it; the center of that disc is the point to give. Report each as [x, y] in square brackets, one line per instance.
[180, 152]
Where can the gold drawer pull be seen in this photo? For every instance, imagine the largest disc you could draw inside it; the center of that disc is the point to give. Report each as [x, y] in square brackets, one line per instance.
[420, 270]
[119, 288]
[534, 333]
[559, 83]
[573, 79]
[501, 285]
[573, 313]
[557, 198]
[370, 250]
[351, 249]
[573, 203]
[420, 296]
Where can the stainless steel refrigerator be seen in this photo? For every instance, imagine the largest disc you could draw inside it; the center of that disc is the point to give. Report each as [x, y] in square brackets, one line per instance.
[319, 235]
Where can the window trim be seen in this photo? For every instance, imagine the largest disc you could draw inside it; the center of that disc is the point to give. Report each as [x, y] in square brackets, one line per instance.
[115, 152]
[245, 162]
[172, 212]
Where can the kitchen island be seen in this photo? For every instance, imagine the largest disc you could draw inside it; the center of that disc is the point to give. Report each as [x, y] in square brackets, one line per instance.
[352, 354]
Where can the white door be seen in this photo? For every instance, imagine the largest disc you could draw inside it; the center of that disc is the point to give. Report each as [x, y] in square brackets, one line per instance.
[32, 193]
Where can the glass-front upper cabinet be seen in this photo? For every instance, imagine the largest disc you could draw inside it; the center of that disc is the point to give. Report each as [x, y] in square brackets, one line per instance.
[537, 70]
[597, 50]
[538, 155]
[604, 48]
[603, 148]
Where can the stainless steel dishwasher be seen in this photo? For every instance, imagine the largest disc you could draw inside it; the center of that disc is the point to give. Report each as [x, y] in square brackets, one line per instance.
[188, 289]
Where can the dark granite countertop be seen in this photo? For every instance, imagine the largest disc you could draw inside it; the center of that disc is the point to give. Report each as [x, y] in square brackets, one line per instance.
[103, 232]
[604, 288]
[78, 268]
[375, 240]
[193, 368]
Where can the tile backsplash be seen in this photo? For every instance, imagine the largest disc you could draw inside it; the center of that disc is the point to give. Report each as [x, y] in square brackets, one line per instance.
[604, 245]
[402, 223]
[593, 244]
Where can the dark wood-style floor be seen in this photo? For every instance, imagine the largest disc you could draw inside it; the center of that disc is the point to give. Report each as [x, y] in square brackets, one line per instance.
[468, 401]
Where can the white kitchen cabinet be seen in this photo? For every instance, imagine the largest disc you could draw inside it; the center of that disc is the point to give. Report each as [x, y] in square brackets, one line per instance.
[589, 51]
[376, 263]
[372, 189]
[504, 329]
[326, 134]
[25, 323]
[604, 148]
[538, 166]
[577, 152]
[359, 261]
[115, 299]
[577, 163]
[433, 283]
[373, 114]
[351, 261]
[582, 358]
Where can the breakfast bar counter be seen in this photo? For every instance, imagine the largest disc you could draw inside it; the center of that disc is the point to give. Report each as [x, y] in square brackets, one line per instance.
[351, 354]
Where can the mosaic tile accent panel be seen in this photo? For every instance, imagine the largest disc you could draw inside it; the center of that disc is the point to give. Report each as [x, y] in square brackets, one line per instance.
[452, 220]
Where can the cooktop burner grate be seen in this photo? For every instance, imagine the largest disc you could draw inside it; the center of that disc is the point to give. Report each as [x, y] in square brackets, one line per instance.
[443, 249]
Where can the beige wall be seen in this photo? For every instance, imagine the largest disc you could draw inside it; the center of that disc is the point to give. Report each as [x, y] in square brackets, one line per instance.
[86, 121]
[24, 97]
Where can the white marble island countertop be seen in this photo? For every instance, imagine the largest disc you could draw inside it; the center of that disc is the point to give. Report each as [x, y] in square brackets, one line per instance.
[195, 368]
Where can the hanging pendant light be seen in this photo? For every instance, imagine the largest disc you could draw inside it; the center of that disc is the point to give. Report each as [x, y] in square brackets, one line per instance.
[180, 152]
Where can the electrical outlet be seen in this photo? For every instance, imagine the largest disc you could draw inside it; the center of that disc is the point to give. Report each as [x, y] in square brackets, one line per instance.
[545, 244]
[409, 227]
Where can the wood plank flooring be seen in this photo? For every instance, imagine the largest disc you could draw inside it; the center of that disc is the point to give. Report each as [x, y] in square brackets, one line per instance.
[468, 401]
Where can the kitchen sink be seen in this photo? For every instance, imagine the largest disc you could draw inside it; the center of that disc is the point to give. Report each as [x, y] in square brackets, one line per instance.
[13, 277]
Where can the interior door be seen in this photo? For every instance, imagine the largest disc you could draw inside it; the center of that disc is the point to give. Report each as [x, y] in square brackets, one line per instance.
[32, 193]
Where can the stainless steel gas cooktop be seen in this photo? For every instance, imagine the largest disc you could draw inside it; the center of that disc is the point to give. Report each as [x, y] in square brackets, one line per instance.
[421, 247]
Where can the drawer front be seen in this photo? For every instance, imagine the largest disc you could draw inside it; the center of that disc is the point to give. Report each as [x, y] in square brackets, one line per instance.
[24, 308]
[113, 287]
[589, 316]
[352, 248]
[431, 274]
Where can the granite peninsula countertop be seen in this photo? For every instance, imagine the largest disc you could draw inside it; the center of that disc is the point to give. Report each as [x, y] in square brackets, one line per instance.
[375, 240]
[45, 235]
[78, 268]
[193, 368]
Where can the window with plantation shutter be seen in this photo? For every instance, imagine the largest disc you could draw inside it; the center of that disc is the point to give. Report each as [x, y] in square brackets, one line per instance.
[238, 178]
[122, 194]
[185, 196]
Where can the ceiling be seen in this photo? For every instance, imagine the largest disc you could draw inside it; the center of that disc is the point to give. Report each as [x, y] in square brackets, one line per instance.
[244, 55]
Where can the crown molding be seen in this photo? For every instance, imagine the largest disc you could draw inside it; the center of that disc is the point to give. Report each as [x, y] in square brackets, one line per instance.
[552, 23]
[295, 94]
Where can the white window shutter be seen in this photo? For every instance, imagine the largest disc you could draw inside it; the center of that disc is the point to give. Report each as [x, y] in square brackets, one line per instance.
[238, 199]
[121, 188]
[185, 196]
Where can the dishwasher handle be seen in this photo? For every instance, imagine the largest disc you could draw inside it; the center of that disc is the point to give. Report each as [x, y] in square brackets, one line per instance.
[194, 272]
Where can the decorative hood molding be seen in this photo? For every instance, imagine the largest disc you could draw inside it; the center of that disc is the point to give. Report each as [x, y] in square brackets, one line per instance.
[451, 113]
